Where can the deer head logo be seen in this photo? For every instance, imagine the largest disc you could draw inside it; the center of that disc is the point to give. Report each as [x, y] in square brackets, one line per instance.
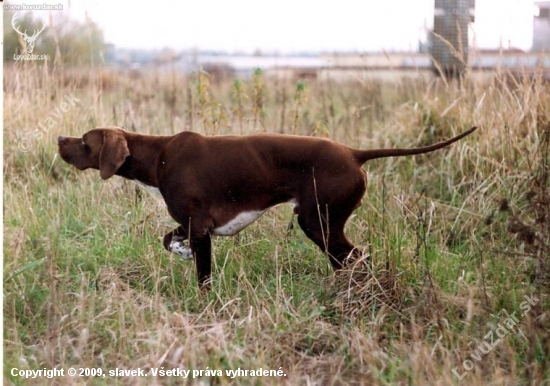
[30, 40]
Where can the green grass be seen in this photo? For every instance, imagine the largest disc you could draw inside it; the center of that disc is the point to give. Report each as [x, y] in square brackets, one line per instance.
[87, 282]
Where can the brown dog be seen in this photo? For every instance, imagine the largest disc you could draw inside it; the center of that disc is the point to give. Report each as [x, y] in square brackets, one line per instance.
[219, 185]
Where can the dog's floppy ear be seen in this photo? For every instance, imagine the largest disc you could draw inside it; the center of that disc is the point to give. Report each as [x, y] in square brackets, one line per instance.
[112, 155]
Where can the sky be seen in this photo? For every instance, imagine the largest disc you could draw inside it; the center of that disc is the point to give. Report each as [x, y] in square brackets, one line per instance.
[288, 26]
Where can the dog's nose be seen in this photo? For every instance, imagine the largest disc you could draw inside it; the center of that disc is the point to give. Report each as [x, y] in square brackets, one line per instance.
[61, 139]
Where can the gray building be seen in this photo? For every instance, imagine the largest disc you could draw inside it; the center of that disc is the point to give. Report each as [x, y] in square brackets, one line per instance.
[541, 27]
[450, 36]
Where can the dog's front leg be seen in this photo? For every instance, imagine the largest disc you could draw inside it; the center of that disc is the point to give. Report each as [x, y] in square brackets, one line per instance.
[174, 242]
[202, 249]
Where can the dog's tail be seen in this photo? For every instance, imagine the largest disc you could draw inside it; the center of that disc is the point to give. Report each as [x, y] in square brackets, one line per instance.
[363, 156]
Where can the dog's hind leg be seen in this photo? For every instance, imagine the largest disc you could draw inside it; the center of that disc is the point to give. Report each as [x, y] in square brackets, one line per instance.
[327, 232]
[340, 250]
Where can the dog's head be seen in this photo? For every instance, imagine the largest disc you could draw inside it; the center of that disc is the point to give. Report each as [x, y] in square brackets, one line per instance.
[102, 149]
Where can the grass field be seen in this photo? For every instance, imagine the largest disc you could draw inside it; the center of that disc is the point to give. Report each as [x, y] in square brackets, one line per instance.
[457, 238]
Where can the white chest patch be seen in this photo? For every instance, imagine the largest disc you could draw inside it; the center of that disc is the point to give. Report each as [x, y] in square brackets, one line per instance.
[241, 221]
[150, 189]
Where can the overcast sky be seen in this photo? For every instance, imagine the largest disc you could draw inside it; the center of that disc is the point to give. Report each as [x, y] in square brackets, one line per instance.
[292, 25]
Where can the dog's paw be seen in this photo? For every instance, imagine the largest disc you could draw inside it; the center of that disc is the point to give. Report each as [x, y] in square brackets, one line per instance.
[182, 250]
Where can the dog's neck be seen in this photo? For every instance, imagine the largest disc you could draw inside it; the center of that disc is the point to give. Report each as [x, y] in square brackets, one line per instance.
[142, 163]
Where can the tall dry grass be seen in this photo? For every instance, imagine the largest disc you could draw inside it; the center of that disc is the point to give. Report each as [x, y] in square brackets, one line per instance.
[456, 238]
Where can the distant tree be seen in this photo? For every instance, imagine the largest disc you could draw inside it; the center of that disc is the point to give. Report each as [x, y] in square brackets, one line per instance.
[72, 42]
